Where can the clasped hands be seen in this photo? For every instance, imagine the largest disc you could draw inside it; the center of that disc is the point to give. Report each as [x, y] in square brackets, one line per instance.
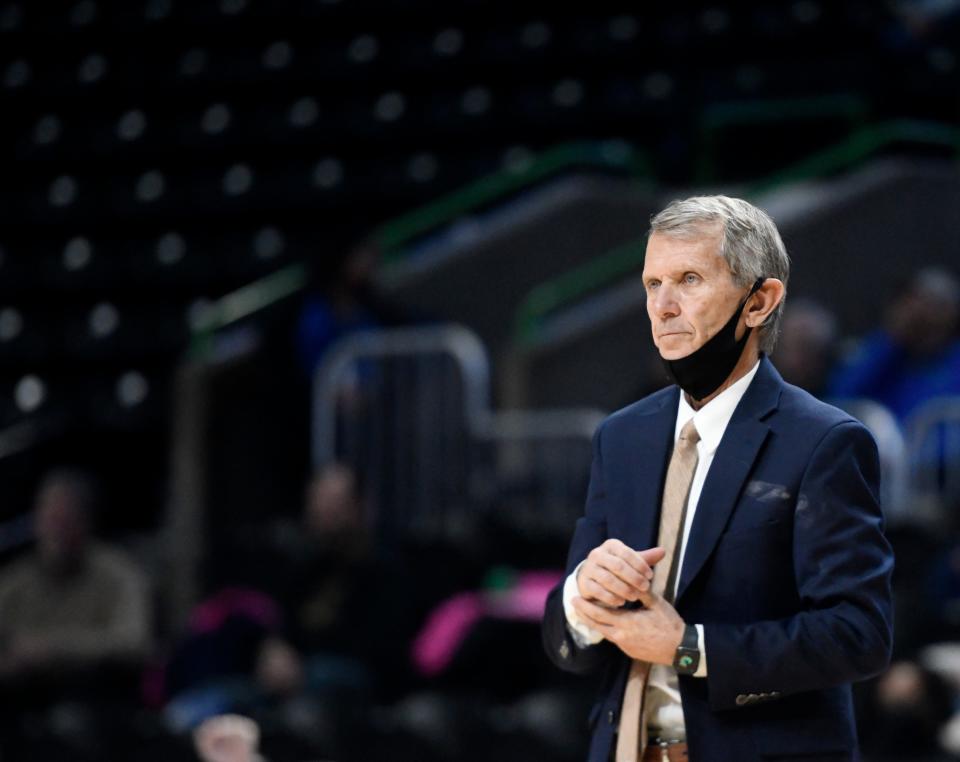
[613, 574]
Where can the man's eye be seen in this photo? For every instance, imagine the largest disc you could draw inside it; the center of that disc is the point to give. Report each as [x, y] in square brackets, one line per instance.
[652, 285]
[690, 278]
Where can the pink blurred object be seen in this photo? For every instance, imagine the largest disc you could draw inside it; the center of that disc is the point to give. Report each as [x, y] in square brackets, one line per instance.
[211, 613]
[526, 599]
[449, 624]
[444, 631]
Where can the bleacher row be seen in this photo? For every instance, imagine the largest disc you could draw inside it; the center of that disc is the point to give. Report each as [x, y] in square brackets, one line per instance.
[276, 74]
[159, 154]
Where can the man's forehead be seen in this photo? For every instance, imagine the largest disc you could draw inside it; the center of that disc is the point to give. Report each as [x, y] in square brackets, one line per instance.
[692, 230]
[702, 247]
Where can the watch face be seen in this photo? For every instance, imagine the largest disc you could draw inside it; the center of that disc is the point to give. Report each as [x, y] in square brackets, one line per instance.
[687, 660]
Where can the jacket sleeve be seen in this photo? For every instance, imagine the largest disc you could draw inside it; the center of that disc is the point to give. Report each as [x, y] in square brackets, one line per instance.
[590, 531]
[842, 566]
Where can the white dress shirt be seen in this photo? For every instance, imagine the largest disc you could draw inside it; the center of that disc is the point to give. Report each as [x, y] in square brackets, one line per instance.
[666, 713]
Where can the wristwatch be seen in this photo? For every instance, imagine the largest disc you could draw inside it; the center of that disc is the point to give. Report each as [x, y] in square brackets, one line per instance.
[687, 658]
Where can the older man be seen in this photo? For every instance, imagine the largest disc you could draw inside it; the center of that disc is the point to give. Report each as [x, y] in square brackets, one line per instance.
[730, 577]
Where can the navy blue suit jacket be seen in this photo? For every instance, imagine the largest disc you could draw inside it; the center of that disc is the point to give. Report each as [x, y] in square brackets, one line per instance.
[786, 567]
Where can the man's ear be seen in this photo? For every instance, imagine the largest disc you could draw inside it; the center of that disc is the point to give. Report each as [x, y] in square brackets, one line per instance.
[764, 302]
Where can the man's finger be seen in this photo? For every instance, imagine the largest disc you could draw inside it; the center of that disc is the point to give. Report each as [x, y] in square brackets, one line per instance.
[596, 592]
[649, 598]
[597, 614]
[586, 618]
[635, 558]
[641, 560]
[593, 623]
[594, 576]
[652, 556]
[614, 581]
[631, 578]
[633, 565]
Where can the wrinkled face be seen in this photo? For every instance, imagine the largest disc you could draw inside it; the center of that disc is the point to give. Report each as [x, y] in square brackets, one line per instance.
[691, 293]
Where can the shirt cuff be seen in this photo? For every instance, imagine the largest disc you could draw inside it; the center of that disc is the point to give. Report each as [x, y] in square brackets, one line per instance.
[583, 635]
[702, 668]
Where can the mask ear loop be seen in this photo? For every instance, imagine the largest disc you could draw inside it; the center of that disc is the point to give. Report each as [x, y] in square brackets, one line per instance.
[753, 289]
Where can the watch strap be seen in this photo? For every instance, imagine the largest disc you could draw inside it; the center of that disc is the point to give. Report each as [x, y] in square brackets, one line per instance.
[687, 658]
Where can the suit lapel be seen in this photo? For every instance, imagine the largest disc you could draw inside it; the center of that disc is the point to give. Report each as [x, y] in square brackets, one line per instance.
[649, 458]
[739, 447]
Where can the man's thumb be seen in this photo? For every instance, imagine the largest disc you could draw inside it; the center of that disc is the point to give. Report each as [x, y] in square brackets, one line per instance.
[652, 555]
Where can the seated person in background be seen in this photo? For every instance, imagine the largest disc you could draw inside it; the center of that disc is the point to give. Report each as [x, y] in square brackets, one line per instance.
[916, 356]
[806, 349]
[312, 625]
[342, 600]
[342, 301]
[72, 602]
[75, 623]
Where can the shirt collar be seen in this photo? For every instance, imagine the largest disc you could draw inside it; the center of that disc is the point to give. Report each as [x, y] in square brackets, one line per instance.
[711, 420]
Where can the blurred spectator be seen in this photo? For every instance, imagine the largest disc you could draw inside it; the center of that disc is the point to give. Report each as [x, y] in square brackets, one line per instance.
[916, 357]
[905, 710]
[806, 348]
[228, 738]
[342, 302]
[327, 629]
[213, 666]
[73, 602]
[75, 616]
[345, 604]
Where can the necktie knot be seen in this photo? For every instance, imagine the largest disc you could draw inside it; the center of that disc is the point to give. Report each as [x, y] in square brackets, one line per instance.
[689, 433]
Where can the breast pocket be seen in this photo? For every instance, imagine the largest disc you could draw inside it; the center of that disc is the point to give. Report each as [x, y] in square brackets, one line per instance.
[753, 515]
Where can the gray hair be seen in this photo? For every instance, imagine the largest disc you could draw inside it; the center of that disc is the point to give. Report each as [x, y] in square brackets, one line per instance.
[750, 244]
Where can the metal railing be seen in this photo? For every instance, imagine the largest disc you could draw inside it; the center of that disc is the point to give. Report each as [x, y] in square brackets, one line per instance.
[541, 465]
[892, 449]
[409, 410]
[921, 468]
[933, 443]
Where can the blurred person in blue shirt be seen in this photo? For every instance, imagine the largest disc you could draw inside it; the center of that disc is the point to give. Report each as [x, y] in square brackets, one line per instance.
[915, 357]
[343, 300]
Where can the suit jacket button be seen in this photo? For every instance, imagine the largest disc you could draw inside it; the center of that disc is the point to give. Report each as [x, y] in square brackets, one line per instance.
[611, 716]
[740, 700]
[564, 650]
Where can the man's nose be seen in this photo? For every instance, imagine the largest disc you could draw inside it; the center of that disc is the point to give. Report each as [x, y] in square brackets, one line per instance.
[665, 301]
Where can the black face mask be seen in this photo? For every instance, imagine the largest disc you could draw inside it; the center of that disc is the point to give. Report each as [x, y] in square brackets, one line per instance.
[701, 372]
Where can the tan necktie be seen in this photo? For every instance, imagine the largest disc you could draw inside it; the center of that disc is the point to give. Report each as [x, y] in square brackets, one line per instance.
[632, 736]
